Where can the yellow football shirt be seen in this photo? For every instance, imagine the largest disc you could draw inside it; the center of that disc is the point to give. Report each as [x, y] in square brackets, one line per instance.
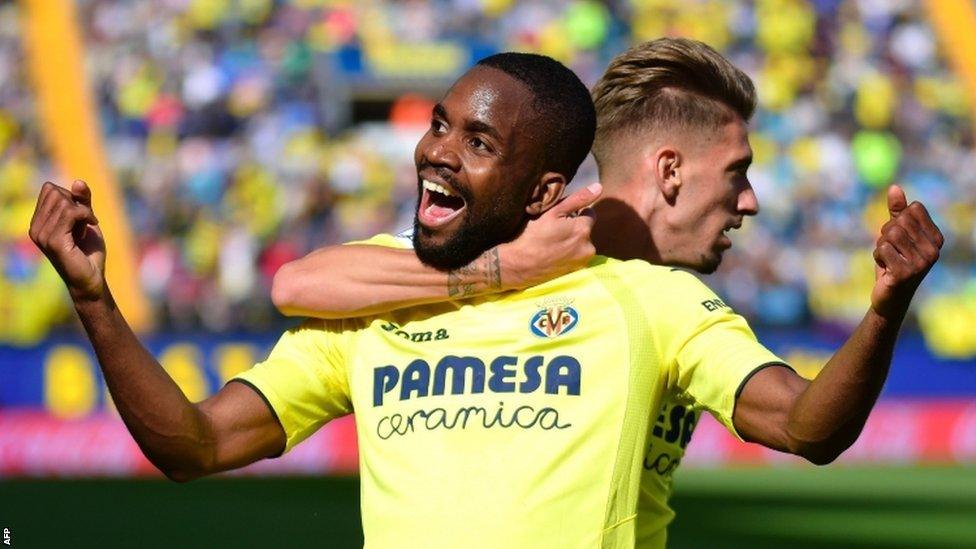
[519, 419]
[667, 442]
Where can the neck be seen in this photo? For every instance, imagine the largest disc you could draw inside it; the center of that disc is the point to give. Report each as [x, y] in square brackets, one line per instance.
[622, 227]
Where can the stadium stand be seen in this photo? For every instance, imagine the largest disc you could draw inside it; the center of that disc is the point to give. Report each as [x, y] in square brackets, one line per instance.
[246, 133]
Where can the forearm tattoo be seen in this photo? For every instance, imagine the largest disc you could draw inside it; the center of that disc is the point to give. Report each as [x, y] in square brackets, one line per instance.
[482, 275]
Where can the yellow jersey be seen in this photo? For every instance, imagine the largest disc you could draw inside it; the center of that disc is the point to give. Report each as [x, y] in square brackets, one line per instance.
[520, 419]
[667, 442]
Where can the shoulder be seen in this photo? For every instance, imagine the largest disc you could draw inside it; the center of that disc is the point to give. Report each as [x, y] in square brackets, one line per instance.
[403, 240]
[649, 279]
[317, 329]
[632, 275]
[677, 293]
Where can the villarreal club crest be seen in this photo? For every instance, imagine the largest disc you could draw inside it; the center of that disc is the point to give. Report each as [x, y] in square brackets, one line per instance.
[554, 319]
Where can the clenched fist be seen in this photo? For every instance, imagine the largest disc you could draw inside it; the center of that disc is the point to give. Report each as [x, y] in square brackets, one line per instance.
[907, 248]
[65, 228]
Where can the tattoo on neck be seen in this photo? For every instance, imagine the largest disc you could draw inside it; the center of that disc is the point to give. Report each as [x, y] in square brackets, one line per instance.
[483, 275]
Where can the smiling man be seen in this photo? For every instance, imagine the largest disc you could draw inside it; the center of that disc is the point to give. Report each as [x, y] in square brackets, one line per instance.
[511, 158]
[513, 420]
[673, 151]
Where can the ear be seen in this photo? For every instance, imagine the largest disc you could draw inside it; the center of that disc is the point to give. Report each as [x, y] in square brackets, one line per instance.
[546, 194]
[665, 174]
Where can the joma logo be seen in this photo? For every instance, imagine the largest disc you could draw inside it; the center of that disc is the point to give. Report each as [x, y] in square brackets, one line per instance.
[417, 337]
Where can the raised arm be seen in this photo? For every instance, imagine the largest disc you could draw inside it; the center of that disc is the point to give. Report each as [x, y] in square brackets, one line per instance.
[359, 280]
[184, 440]
[820, 419]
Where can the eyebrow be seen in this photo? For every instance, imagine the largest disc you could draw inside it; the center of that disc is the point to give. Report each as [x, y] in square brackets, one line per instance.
[482, 127]
[476, 126]
[740, 164]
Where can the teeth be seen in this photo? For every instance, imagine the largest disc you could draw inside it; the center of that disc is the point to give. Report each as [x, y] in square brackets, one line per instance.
[431, 186]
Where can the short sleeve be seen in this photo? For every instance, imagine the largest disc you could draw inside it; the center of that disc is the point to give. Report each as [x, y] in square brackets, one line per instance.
[304, 379]
[709, 351]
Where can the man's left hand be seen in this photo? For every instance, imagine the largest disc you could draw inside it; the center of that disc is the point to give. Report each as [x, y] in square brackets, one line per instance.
[907, 248]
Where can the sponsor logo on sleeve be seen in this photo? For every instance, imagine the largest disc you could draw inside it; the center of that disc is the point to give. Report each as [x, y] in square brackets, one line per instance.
[714, 304]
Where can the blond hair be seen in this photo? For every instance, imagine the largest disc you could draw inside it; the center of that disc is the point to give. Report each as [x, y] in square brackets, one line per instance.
[668, 84]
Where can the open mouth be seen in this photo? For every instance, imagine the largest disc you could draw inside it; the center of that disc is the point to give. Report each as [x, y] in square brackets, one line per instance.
[734, 226]
[725, 238]
[438, 205]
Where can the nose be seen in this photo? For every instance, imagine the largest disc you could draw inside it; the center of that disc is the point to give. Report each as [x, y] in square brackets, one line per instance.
[441, 153]
[748, 201]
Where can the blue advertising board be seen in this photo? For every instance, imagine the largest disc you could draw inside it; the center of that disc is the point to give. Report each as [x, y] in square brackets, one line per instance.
[62, 377]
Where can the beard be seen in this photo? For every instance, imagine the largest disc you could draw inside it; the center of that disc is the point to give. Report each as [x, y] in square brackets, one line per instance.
[707, 264]
[482, 228]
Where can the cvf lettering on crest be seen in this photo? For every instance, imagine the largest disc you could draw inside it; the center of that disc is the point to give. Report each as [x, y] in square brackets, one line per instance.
[554, 321]
[471, 375]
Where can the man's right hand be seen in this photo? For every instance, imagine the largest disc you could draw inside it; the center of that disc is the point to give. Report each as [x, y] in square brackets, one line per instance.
[65, 228]
[556, 243]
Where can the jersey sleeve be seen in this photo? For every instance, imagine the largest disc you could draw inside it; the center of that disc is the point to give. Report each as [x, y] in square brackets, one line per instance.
[304, 379]
[708, 351]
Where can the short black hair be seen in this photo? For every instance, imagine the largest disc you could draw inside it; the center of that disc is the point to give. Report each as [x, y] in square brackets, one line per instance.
[562, 104]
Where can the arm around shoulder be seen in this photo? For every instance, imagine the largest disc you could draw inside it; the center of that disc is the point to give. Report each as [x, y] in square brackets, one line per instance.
[355, 280]
[371, 277]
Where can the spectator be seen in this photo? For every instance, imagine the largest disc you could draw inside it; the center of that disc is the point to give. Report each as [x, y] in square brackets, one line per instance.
[220, 121]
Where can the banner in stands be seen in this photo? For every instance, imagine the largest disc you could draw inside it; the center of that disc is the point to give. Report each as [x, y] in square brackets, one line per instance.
[56, 418]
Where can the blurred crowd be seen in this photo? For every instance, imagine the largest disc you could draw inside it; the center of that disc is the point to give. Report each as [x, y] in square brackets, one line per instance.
[220, 125]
